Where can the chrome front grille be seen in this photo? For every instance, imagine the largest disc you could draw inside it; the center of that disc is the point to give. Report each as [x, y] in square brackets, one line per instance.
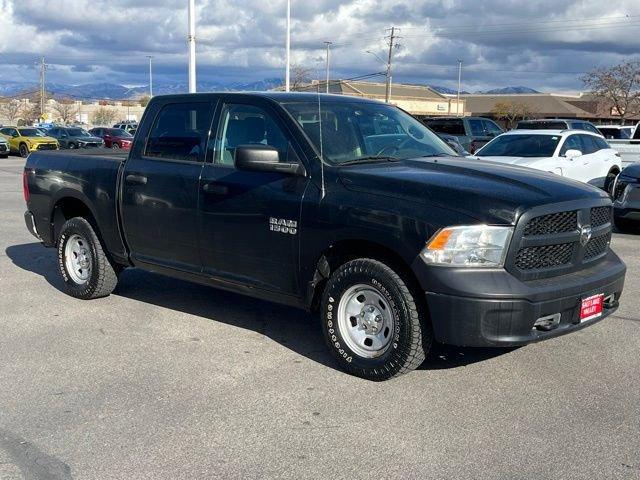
[548, 244]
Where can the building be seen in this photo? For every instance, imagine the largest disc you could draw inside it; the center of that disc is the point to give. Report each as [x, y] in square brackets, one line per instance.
[548, 105]
[88, 113]
[415, 99]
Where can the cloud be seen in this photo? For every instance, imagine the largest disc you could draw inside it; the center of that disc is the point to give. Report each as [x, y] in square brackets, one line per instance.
[544, 44]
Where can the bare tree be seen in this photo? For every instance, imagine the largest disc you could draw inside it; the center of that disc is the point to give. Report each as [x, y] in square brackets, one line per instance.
[300, 77]
[144, 100]
[618, 87]
[66, 109]
[11, 110]
[511, 112]
[104, 116]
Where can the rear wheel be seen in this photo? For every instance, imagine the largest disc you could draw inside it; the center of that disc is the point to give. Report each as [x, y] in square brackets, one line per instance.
[372, 322]
[24, 151]
[85, 268]
[72, 146]
[115, 146]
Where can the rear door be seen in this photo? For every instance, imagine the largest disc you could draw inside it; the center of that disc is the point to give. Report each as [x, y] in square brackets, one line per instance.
[243, 213]
[160, 186]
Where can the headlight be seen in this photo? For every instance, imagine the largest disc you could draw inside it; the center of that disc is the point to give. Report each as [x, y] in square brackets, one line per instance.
[469, 246]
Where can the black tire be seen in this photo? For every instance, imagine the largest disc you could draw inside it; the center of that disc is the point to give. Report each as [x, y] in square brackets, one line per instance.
[412, 335]
[23, 150]
[72, 146]
[102, 278]
[609, 182]
[625, 225]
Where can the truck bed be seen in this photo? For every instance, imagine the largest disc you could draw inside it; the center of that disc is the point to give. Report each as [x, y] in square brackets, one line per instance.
[90, 176]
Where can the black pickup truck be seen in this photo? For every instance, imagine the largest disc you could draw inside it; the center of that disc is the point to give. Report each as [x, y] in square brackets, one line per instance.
[338, 204]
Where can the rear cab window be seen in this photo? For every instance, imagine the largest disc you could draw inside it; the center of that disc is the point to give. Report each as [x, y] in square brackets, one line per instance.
[179, 132]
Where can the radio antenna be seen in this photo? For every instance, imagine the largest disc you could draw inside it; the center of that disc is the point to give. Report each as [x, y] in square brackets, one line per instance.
[322, 189]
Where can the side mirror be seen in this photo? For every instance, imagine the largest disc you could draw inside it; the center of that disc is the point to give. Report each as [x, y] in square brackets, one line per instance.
[571, 154]
[263, 158]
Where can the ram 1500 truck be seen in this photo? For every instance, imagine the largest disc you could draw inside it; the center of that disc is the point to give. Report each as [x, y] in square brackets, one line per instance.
[346, 206]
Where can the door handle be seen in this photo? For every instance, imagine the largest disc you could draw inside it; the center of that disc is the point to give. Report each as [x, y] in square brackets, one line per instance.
[215, 188]
[135, 179]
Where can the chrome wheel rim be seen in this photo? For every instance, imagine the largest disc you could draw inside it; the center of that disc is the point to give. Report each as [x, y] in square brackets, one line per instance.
[77, 259]
[366, 321]
[115, 146]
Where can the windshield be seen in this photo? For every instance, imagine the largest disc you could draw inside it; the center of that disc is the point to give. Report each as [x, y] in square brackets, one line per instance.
[354, 131]
[615, 133]
[516, 145]
[118, 132]
[77, 132]
[30, 132]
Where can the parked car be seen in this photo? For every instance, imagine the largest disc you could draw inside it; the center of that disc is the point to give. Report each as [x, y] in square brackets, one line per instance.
[472, 132]
[4, 147]
[557, 124]
[454, 143]
[71, 137]
[579, 155]
[24, 140]
[616, 132]
[393, 240]
[629, 148]
[129, 127]
[626, 198]
[114, 138]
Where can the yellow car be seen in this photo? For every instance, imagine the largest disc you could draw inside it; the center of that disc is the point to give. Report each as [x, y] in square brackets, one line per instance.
[24, 140]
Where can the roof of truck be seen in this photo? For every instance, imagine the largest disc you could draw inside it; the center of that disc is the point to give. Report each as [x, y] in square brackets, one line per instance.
[282, 97]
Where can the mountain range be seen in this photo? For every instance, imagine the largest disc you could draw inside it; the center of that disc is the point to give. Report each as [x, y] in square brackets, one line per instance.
[112, 91]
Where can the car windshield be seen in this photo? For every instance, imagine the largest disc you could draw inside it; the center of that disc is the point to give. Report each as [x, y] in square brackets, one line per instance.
[30, 132]
[118, 132]
[77, 132]
[345, 131]
[615, 133]
[520, 145]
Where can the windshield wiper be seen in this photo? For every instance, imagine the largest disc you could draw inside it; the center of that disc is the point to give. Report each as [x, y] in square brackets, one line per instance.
[369, 159]
[441, 154]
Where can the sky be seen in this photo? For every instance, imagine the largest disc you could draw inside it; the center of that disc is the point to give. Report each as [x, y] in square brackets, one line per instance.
[542, 44]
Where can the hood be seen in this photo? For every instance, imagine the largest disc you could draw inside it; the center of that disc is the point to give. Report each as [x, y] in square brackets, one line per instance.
[489, 192]
[41, 139]
[632, 170]
[511, 160]
[90, 139]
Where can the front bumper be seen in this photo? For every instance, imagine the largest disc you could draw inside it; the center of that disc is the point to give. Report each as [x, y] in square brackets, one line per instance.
[491, 307]
[39, 147]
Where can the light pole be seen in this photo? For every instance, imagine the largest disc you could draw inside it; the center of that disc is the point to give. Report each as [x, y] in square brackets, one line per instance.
[459, 81]
[287, 73]
[150, 57]
[191, 39]
[328, 44]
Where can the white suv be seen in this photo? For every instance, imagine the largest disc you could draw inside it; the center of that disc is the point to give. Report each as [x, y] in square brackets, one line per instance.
[575, 154]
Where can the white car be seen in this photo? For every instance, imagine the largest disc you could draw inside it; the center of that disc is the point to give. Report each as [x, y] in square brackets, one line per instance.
[616, 132]
[575, 154]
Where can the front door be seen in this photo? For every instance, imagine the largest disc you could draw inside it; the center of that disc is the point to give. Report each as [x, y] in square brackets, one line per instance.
[160, 188]
[249, 220]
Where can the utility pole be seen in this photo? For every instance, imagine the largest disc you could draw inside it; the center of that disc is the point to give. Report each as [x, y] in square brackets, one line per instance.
[328, 44]
[191, 38]
[150, 57]
[43, 68]
[287, 73]
[459, 81]
[392, 39]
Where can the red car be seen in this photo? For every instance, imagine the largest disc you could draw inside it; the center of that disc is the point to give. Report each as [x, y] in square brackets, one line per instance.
[115, 138]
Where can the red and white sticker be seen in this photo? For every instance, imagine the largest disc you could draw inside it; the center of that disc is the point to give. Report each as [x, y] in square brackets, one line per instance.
[591, 307]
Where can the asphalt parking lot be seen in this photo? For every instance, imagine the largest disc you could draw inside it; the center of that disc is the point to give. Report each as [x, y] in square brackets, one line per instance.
[166, 379]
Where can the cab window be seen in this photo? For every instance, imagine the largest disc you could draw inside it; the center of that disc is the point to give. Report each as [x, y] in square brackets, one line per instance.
[180, 132]
[245, 125]
[572, 142]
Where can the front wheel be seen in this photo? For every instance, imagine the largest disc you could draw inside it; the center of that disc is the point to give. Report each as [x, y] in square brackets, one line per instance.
[24, 151]
[371, 321]
[610, 181]
[85, 268]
